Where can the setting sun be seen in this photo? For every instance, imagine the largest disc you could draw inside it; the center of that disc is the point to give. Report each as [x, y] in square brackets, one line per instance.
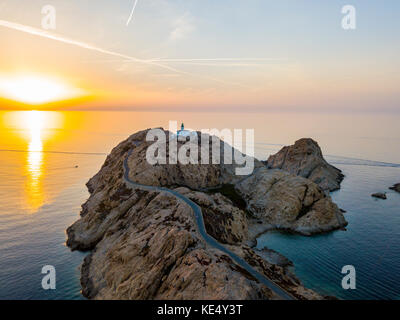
[36, 90]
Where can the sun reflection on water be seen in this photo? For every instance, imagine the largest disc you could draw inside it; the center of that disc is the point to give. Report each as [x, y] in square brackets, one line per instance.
[35, 120]
[31, 135]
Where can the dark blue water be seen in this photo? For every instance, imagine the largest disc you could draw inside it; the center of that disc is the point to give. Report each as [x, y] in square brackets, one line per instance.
[371, 243]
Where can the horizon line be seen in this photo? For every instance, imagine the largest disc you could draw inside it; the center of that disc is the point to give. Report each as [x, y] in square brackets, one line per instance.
[209, 109]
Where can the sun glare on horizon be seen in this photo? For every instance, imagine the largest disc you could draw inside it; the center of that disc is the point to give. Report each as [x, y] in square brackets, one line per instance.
[36, 90]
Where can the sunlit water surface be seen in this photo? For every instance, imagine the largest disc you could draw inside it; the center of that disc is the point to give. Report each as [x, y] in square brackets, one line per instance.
[47, 157]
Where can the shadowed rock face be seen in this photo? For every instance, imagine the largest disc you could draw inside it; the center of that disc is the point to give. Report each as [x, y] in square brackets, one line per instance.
[145, 244]
[305, 159]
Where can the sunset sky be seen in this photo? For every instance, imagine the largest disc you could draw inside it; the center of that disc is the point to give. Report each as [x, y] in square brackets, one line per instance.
[200, 55]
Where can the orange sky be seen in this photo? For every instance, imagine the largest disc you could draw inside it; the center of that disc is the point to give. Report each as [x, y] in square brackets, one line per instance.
[203, 57]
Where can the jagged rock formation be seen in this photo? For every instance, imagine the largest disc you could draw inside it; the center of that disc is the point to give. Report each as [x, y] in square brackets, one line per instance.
[145, 244]
[396, 187]
[305, 159]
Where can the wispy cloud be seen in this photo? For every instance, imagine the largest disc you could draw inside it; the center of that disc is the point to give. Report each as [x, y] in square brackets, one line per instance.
[182, 27]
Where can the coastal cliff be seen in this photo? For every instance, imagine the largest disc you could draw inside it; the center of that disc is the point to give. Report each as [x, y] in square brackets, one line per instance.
[146, 244]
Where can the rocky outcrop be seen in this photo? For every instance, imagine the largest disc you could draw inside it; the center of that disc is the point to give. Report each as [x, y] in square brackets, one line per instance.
[289, 202]
[152, 251]
[194, 176]
[146, 244]
[396, 187]
[305, 159]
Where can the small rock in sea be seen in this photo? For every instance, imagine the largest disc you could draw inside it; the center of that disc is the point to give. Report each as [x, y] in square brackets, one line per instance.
[379, 195]
[396, 187]
[343, 211]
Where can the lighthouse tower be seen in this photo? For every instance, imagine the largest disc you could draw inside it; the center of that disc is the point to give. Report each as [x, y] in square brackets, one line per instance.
[183, 132]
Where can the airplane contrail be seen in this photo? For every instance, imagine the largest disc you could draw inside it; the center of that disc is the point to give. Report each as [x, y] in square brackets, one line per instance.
[56, 37]
[59, 38]
[215, 59]
[208, 61]
[133, 10]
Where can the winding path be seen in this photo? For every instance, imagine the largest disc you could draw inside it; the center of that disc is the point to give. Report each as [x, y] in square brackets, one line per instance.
[207, 238]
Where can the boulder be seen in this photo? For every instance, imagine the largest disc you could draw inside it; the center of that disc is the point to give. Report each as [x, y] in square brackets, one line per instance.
[305, 159]
[290, 202]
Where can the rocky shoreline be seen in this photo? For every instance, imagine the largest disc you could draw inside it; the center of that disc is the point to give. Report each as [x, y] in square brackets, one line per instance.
[145, 244]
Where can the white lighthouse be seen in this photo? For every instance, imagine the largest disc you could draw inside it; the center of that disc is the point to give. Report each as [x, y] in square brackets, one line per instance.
[183, 132]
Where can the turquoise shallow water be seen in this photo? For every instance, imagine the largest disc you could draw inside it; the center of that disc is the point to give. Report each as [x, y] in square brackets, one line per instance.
[371, 243]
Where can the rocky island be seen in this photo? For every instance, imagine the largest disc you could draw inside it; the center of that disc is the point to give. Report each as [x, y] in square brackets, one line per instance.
[142, 227]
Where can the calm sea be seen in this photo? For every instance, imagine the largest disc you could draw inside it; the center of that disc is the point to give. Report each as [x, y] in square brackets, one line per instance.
[47, 157]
